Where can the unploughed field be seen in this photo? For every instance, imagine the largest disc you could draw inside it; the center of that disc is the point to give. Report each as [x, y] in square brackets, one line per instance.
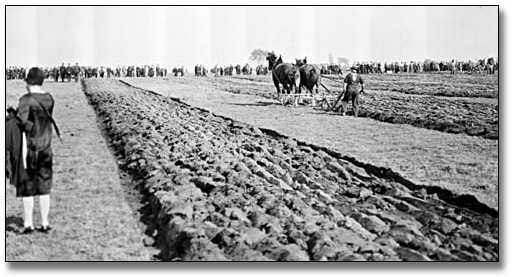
[221, 189]
[95, 212]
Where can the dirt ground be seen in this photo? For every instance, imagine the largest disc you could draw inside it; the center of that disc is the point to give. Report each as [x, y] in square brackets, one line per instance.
[458, 162]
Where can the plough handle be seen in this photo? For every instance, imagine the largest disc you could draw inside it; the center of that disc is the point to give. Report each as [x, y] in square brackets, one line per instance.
[338, 98]
[325, 87]
[332, 79]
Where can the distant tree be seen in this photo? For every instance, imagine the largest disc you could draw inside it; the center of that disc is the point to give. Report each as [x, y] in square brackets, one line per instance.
[258, 55]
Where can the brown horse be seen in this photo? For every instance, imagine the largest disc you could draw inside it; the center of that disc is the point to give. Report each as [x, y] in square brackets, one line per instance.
[283, 73]
[309, 75]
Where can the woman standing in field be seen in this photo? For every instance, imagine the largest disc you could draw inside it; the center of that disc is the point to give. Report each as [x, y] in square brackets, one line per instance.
[35, 115]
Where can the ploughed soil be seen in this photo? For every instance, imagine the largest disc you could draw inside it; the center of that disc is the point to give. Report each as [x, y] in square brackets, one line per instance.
[460, 163]
[220, 189]
[438, 84]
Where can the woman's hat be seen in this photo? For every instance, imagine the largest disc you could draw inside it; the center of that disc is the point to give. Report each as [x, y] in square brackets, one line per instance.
[36, 76]
[11, 110]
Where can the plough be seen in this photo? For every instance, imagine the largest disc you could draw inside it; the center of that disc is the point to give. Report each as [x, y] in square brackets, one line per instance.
[321, 99]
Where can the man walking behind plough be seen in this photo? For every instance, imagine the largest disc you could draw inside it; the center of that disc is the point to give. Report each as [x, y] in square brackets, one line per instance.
[353, 85]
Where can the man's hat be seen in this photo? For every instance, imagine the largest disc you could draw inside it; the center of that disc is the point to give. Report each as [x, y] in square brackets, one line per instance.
[35, 76]
[354, 68]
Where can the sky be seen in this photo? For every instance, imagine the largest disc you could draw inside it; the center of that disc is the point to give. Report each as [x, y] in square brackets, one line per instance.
[175, 36]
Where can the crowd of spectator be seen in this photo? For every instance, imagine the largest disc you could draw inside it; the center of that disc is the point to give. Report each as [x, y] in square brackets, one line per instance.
[75, 72]
[489, 65]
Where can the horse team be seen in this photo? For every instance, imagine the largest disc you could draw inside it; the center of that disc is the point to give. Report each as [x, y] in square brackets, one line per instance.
[293, 77]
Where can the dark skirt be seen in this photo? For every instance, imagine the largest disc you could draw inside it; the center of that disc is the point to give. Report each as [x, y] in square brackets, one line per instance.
[39, 174]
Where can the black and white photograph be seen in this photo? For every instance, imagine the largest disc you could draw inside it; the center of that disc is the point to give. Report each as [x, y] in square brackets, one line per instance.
[253, 133]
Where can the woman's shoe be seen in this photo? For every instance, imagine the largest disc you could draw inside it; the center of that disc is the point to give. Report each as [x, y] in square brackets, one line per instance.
[28, 230]
[45, 229]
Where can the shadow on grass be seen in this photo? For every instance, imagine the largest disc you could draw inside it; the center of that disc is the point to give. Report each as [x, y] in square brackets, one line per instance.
[13, 224]
[259, 104]
[140, 203]
[324, 112]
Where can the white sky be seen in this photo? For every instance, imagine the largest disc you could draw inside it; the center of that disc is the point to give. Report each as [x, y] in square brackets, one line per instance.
[174, 36]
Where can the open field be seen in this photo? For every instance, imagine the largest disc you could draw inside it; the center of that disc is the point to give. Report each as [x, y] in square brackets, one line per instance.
[216, 169]
[227, 190]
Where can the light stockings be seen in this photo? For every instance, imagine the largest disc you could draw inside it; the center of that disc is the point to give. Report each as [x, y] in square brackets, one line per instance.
[28, 208]
[44, 205]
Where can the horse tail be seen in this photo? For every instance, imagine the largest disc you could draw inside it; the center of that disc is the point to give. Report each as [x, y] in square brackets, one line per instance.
[295, 78]
[315, 75]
